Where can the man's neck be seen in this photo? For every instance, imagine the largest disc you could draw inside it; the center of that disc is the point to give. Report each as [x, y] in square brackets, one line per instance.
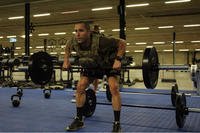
[87, 42]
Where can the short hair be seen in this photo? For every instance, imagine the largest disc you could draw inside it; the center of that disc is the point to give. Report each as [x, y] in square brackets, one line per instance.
[87, 24]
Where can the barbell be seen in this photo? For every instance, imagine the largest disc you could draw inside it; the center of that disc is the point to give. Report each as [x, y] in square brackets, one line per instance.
[181, 108]
[40, 67]
[150, 67]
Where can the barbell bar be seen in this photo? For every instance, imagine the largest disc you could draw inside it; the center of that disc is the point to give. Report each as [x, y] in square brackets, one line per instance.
[181, 108]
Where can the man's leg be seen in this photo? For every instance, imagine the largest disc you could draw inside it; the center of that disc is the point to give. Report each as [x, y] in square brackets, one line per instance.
[116, 102]
[80, 101]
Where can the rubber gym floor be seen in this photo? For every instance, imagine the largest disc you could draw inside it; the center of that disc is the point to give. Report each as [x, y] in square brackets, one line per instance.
[37, 114]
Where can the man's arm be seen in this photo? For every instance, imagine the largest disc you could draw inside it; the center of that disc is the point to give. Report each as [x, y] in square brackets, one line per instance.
[120, 52]
[66, 63]
[121, 48]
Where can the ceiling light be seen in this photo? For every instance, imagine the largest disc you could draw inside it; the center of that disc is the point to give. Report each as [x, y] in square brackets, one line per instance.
[179, 42]
[62, 46]
[23, 53]
[73, 32]
[191, 25]
[158, 42]
[198, 41]
[137, 5]
[101, 31]
[16, 54]
[115, 29]
[140, 43]
[127, 44]
[182, 50]
[176, 1]
[13, 36]
[197, 49]
[17, 17]
[51, 46]
[142, 28]
[127, 51]
[73, 52]
[62, 52]
[30, 47]
[43, 34]
[23, 36]
[53, 53]
[165, 27]
[138, 51]
[69, 12]
[1, 37]
[17, 48]
[41, 15]
[60, 33]
[167, 50]
[102, 8]
[39, 47]
[149, 46]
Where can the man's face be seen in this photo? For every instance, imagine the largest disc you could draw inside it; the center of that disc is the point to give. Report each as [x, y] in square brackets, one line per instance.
[81, 33]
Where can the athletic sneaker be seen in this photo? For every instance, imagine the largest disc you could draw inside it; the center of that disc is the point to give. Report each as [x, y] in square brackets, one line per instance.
[75, 125]
[116, 127]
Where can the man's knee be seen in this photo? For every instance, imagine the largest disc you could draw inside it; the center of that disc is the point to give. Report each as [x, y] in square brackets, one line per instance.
[82, 85]
[114, 88]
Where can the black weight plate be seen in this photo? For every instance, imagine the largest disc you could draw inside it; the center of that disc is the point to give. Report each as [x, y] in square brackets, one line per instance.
[40, 68]
[4, 62]
[14, 62]
[90, 103]
[180, 110]
[150, 69]
[174, 92]
[108, 93]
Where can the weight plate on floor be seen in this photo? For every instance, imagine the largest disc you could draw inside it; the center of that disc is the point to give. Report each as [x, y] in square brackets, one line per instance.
[180, 110]
[174, 92]
[90, 103]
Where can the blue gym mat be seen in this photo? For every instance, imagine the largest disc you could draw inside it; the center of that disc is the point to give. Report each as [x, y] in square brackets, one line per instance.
[37, 114]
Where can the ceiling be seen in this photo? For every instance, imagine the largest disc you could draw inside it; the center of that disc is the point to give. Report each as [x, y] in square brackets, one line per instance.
[156, 14]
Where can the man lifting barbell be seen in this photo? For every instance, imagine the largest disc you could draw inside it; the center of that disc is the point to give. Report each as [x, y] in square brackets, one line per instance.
[97, 52]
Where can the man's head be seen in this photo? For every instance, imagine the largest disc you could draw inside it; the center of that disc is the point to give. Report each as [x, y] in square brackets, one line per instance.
[82, 31]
